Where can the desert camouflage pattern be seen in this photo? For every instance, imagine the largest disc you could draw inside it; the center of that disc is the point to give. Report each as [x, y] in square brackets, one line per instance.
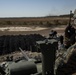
[65, 63]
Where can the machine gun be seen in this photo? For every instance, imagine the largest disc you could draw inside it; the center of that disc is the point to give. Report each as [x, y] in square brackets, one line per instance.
[70, 21]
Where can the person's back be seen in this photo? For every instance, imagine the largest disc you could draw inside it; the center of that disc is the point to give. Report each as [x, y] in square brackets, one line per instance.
[69, 36]
[72, 30]
[67, 31]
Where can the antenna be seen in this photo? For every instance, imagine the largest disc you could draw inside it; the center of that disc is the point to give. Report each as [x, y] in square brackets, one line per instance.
[24, 54]
[70, 17]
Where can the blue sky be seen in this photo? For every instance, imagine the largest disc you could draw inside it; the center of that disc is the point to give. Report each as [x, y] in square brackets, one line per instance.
[35, 8]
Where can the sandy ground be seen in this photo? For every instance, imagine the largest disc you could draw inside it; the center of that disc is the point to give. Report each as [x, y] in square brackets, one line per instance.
[21, 28]
[30, 30]
[18, 54]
